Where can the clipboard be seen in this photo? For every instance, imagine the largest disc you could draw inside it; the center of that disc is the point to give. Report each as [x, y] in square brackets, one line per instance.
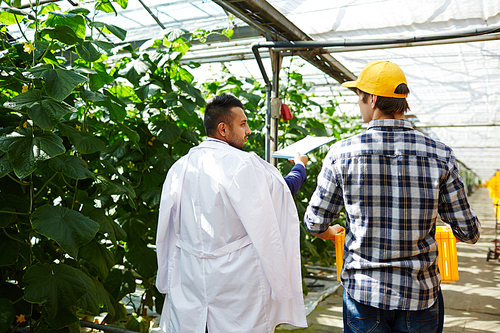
[303, 146]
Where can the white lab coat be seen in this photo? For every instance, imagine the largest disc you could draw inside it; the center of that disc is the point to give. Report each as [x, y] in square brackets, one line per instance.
[228, 244]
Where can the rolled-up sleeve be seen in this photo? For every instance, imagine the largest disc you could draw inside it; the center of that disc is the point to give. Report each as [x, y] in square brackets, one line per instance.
[455, 210]
[326, 202]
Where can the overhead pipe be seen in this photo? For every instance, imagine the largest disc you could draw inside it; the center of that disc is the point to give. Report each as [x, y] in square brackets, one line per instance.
[401, 42]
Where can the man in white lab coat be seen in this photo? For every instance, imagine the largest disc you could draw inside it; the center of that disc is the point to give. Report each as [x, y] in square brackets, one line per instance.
[228, 236]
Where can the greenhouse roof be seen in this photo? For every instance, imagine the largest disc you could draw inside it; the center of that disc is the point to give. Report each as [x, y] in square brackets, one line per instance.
[448, 49]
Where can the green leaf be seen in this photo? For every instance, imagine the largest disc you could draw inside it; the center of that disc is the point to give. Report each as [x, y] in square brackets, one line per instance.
[98, 256]
[122, 3]
[135, 71]
[117, 31]
[187, 104]
[89, 301]
[105, 6]
[59, 82]
[11, 15]
[103, 298]
[72, 20]
[192, 91]
[133, 225]
[137, 323]
[88, 51]
[7, 314]
[93, 96]
[143, 92]
[72, 166]
[106, 224]
[64, 34]
[166, 131]
[5, 165]
[24, 148]
[120, 283]
[85, 143]
[142, 258]
[9, 249]
[44, 111]
[55, 286]
[51, 7]
[252, 98]
[69, 228]
[101, 78]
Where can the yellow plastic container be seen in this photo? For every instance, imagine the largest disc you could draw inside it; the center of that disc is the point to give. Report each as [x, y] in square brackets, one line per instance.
[447, 253]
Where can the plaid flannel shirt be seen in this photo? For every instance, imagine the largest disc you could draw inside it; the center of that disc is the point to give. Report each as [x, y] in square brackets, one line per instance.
[393, 182]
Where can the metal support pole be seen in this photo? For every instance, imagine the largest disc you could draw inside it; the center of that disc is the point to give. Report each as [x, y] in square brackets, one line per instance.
[276, 65]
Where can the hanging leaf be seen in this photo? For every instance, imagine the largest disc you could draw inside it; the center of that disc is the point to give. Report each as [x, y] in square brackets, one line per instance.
[122, 3]
[119, 283]
[7, 314]
[88, 51]
[98, 256]
[55, 286]
[106, 224]
[192, 91]
[59, 82]
[101, 78]
[133, 226]
[187, 104]
[103, 298]
[252, 98]
[135, 71]
[11, 15]
[72, 166]
[24, 148]
[89, 301]
[9, 249]
[72, 20]
[69, 228]
[62, 33]
[109, 28]
[105, 6]
[142, 258]
[5, 165]
[84, 142]
[45, 112]
[166, 131]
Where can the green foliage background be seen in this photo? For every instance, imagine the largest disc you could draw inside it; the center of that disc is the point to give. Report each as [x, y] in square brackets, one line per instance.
[88, 131]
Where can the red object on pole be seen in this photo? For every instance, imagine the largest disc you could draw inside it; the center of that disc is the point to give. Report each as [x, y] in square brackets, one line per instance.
[285, 112]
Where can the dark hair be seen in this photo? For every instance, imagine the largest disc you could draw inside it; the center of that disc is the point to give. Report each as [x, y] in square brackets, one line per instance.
[390, 105]
[219, 110]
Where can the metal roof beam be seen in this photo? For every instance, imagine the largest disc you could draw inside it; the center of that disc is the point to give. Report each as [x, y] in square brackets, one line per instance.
[264, 17]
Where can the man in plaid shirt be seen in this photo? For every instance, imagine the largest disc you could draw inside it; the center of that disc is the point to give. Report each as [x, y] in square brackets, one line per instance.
[393, 182]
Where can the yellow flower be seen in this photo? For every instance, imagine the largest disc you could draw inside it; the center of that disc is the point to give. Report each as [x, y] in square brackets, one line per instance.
[20, 318]
[28, 47]
[25, 88]
[91, 115]
[78, 127]
[25, 124]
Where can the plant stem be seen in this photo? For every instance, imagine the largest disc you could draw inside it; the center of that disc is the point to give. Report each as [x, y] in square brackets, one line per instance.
[10, 212]
[44, 185]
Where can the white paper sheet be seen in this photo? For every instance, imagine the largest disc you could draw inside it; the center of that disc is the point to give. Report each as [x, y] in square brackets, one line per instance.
[303, 146]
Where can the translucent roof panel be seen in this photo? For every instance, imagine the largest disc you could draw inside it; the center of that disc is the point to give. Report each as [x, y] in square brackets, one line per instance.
[455, 87]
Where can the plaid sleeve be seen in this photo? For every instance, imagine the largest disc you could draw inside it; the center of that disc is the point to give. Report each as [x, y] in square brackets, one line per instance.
[454, 208]
[326, 202]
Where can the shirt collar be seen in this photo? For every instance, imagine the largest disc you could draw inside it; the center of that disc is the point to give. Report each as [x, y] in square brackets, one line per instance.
[385, 123]
[216, 140]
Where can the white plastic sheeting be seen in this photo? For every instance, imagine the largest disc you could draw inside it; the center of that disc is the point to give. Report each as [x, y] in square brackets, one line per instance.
[455, 88]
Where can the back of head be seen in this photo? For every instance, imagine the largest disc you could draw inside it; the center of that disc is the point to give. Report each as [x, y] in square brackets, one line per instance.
[219, 110]
[385, 80]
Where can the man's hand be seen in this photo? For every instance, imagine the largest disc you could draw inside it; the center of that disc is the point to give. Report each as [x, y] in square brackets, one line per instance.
[331, 232]
[300, 159]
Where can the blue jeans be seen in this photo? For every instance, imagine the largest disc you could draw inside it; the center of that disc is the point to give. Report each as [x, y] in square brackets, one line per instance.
[360, 318]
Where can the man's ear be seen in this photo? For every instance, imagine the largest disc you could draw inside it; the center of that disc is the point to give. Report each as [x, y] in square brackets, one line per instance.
[221, 129]
[374, 101]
